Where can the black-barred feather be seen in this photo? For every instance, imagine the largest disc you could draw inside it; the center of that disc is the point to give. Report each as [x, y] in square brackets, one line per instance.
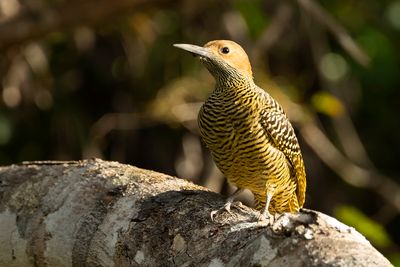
[248, 133]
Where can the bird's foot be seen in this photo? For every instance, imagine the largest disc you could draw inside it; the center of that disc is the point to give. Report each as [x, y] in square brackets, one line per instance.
[266, 217]
[227, 207]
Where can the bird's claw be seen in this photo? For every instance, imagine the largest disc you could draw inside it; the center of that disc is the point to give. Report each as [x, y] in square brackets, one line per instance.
[266, 217]
[227, 207]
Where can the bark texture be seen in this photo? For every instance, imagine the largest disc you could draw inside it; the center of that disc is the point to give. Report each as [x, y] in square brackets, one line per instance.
[99, 213]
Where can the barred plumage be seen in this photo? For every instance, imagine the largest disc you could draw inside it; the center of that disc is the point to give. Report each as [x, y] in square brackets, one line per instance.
[249, 135]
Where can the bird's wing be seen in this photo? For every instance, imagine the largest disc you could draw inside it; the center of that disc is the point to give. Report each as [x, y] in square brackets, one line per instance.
[281, 132]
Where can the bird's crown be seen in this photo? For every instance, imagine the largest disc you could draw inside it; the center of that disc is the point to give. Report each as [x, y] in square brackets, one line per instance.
[231, 53]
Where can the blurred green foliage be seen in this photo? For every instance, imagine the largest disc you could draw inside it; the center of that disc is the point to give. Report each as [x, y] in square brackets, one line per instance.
[253, 14]
[372, 230]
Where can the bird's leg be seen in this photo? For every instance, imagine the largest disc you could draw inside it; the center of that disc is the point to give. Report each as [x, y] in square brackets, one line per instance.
[265, 215]
[228, 203]
[231, 198]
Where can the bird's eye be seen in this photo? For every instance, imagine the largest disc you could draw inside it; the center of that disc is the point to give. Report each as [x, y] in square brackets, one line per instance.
[225, 50]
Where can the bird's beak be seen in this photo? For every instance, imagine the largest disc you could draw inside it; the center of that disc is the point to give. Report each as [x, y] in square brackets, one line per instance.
[195, 50]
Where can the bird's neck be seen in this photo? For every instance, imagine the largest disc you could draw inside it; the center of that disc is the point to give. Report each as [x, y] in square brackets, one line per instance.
[234, 85]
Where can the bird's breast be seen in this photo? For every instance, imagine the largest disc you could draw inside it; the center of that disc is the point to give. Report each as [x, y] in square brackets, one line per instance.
[227, 126]
[216, 126]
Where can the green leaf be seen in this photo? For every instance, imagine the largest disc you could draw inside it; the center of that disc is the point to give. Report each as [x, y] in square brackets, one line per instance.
[372, 230]
[253, 13]
[327, 104]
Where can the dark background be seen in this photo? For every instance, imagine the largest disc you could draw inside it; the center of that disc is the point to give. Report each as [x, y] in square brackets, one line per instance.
[102, 79]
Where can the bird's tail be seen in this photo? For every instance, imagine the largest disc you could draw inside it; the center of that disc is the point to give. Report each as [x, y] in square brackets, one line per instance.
[300, 173]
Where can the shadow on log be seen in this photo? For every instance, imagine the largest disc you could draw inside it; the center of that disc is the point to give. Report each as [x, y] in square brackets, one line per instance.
[99, 213]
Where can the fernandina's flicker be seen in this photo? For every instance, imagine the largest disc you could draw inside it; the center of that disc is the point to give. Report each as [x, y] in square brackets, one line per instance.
[250, 137]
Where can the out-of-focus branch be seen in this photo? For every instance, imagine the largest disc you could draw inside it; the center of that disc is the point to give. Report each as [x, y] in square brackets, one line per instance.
[274, 31]
[236, 26]
[33, 24]
[346, 169]
[345, 129]
[345, 40]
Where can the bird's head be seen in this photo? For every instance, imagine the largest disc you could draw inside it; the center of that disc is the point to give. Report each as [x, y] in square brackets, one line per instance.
[223, 58]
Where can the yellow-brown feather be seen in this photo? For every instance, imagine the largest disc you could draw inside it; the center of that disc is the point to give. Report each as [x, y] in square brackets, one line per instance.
[250, 137]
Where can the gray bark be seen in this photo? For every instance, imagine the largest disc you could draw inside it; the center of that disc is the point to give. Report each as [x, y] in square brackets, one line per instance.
[99, 213]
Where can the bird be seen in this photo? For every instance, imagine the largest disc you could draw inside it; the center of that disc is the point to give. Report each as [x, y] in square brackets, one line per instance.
[248, 133]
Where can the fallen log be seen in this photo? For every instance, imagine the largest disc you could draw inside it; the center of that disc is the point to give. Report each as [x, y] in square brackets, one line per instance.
[100, 213]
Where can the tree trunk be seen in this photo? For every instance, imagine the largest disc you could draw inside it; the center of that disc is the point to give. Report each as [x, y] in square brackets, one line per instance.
[99, 213]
